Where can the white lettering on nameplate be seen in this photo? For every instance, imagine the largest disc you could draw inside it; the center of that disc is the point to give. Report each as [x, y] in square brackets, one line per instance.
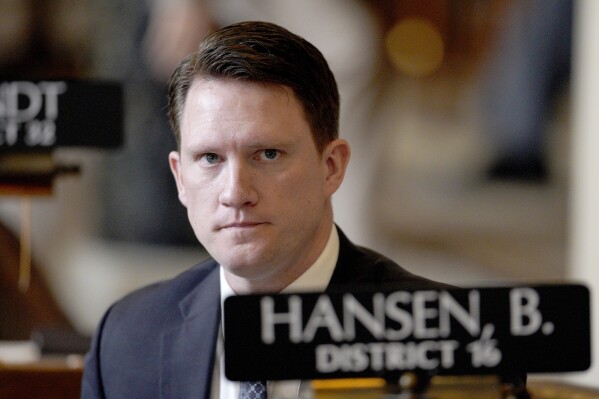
[28, 112]
[409, 330]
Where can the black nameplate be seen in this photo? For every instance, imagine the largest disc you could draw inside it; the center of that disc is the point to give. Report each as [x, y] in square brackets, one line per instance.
[40, 115]
[543, 328]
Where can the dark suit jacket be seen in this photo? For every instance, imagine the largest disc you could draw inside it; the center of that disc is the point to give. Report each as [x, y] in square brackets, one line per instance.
[159, 342]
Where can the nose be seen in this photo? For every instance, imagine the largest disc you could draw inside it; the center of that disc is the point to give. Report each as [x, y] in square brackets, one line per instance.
[237, 186]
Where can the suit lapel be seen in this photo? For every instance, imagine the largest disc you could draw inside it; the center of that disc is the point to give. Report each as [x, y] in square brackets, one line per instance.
[188, 351]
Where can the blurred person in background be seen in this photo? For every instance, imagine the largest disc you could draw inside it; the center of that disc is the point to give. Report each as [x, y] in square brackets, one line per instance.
[529, 63]
[43, 40]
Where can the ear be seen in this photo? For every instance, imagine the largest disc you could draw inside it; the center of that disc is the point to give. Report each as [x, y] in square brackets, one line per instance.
[174, 161]
[335, 159]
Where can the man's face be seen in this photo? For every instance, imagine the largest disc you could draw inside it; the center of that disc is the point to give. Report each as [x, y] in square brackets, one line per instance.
[256, 189]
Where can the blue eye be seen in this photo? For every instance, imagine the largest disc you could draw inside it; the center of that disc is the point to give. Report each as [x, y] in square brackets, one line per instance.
[211, 158]
[269, 154]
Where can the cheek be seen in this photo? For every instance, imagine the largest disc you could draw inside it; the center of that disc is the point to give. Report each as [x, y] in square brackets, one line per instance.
[200, 197]
[305, 190]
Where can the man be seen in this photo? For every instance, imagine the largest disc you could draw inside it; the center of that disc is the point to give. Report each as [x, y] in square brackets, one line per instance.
[255, 112]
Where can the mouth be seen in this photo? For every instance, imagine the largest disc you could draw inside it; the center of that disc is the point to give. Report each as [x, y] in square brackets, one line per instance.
[241, 225]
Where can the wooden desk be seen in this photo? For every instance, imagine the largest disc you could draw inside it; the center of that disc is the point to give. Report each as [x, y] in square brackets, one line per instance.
[559, 390]
[448, 388]
[54, 379]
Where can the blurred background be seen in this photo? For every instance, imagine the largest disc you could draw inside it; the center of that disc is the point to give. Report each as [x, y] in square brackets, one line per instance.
[468, 120]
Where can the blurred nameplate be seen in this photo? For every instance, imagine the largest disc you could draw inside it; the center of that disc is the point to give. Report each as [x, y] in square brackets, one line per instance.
[541, 328]
[41, 115]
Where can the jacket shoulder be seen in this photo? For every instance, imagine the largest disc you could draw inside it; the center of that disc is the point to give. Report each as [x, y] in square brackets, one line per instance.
[126, 349]
[362, 268]
[162, 298]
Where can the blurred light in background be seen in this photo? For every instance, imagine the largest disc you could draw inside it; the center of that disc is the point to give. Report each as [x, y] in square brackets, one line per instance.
[415, 47]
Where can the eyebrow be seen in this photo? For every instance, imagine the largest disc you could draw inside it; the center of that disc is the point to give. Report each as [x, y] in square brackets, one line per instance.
[254, 145]
[275, 143]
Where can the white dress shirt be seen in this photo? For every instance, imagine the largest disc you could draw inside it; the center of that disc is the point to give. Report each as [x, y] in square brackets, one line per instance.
[315, 279]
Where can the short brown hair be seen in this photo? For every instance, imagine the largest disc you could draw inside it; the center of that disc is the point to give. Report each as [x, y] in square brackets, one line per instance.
[268, 53]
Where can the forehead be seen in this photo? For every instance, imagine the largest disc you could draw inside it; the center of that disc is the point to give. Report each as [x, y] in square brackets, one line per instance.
[227, 91]
[227, 106]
